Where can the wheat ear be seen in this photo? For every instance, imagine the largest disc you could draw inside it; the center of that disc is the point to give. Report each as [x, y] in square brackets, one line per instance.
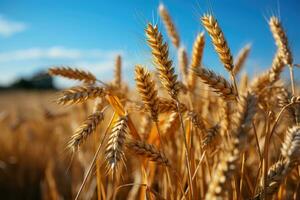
[283, 46]
[167, 105]
[225, 169]
[161, 60]
[70, 73]
[114, 152]
[197, 54]
[281, 40]
[212, 27]
[118, 71]
[169, 25]
[85, 130]
[147, 150]
[241, 58]
[81, 94]
[269, 77]
[218, 83]
[278, 171]
[183, 63]
[228, 163]
[291, 146]
[211, 135]
[246, 110]
[147, 91]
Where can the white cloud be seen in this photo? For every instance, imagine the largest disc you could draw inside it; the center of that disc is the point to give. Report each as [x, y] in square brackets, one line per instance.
[55, 53]
[9, 27]
[26, 62]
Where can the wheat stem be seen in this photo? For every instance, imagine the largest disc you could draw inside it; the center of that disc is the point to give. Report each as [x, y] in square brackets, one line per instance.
[94, 160]
[187, 159]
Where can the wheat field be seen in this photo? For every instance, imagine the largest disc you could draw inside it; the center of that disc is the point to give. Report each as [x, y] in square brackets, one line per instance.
[191, 135]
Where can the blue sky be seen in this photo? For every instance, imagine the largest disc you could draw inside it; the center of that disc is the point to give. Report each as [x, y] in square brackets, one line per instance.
[35, 35]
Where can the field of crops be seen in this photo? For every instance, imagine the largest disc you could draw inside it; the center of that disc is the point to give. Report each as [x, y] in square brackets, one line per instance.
[191, 135]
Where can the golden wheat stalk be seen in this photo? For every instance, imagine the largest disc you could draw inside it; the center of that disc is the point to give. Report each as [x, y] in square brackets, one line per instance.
[221, 176]
[278, 171]
[114, 152]
[228, 163]
[197, 120]
[167, 105]
[161, 60]
[240, 59]
[281, 40]
[211, 135]
[283, 46]
[284, 98]
[212, 27]
[85, 130]
[147, 91]
[118, 71]
[277, 67]
[70, 73]
[291, 147]
[81, 94]
[183, 63]
[148, 151]
[171, 123]
[197, 54]
[269, 77]
[218, 83]
[242, 121]
[225, 125]
[169, 25]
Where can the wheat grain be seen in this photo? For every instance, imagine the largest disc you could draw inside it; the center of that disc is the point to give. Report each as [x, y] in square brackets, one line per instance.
[81, 94]
[114, 152]
[218, 83]
[149, 151]
[212, 27]
[85, 130]
[291, 147]
[161, 60]
[240, 59]
[169, 25]
[70, 73]
[183, 63]
[281, 40]
[147, 90]
[196, 59]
